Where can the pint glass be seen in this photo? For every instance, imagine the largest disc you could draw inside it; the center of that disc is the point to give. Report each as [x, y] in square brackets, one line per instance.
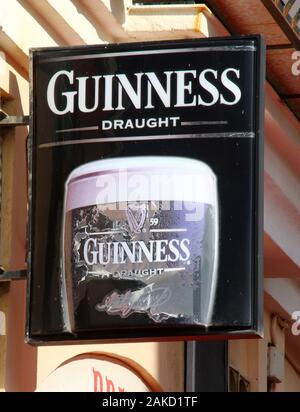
[140, 243]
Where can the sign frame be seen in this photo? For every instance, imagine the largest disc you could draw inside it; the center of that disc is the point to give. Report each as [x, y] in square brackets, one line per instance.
[140, 334]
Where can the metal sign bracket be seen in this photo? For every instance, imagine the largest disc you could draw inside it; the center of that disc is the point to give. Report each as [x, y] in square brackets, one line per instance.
[13, 121]
[12, 275]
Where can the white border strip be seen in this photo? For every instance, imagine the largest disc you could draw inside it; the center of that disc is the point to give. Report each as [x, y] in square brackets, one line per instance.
[78, 129]
[204, 123]
[249, 135]
[193, 123]
[167, 230]
[241, 48]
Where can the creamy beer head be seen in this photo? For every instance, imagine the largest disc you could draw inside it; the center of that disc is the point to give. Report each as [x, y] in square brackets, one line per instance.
[140, 243]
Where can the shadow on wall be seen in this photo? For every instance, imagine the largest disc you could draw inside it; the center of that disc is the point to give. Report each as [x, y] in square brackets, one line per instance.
[16, 175]
[106, 23]
[61, 32]
[21, 359]
[91, 19]
[42, 22]
[171, 366]
[118, 10]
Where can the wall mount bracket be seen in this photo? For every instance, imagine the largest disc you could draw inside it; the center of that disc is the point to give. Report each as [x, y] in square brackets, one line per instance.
[13, 121]
[12, 275]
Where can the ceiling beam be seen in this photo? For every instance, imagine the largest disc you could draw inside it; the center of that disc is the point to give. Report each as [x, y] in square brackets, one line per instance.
[103, 20]
[282, 23]
[53, 22]
[278, 264]
[14, 54]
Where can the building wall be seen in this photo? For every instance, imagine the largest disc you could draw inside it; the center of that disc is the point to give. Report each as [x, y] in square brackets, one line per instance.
[250, 359]
[39, 23]
[292, 378]
[164, 361]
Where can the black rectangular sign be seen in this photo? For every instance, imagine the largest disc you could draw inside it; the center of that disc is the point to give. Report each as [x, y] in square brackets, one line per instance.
[146, 191]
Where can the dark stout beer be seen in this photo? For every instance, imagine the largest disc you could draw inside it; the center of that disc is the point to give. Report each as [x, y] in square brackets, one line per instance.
[140, 243]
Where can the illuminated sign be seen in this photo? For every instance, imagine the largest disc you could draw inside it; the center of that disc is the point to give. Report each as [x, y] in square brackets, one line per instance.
[146, 189]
